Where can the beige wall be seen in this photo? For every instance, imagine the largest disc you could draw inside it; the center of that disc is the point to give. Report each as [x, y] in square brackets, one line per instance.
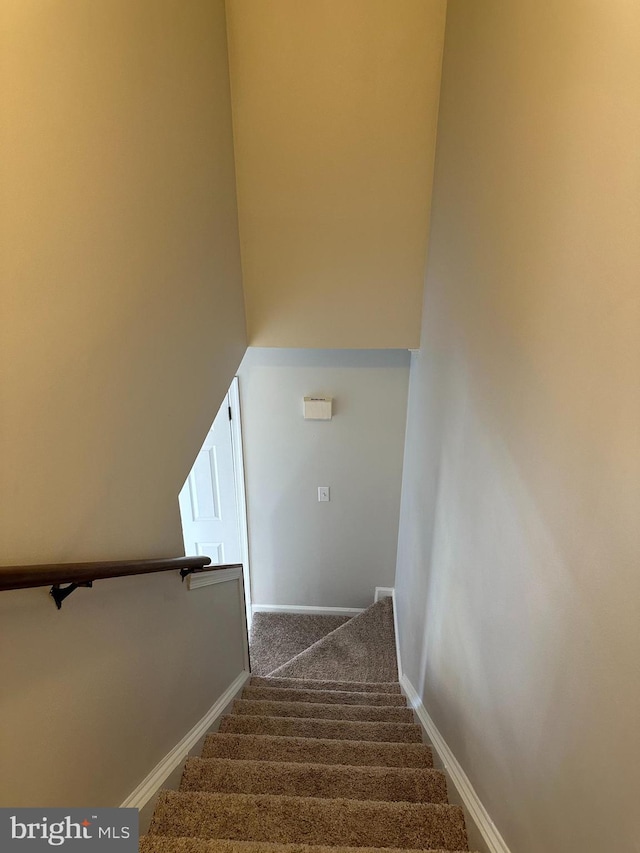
[302, 551]
[95, 696]
[120, 303]
[335, 105]
[518, 585]
[121, 292]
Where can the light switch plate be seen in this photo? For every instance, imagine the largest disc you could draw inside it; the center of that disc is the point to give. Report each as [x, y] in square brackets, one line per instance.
[323, 493]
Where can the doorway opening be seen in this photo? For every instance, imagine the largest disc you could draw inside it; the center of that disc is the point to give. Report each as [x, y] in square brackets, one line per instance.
[213, 505]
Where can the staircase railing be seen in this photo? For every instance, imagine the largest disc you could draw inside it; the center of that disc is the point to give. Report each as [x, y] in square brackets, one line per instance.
[84, 574]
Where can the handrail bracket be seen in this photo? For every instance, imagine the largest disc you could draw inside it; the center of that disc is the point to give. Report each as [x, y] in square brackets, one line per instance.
[59, 593]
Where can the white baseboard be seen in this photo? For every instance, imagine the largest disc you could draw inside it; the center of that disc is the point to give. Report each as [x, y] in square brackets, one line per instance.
[396, 633]
[160, 773]
[390, 592]
[477, 812]
[304, 609]
[382, 592]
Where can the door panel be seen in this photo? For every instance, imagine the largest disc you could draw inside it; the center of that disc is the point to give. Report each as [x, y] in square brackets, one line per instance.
[204, 486]
[208, 500]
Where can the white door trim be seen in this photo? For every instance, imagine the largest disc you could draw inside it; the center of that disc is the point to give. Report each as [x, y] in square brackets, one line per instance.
[241, 493]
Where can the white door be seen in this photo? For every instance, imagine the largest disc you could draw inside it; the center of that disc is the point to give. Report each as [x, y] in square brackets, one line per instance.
[208, 499]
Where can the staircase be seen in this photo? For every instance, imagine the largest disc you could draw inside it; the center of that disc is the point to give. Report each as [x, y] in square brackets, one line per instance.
[334, 766]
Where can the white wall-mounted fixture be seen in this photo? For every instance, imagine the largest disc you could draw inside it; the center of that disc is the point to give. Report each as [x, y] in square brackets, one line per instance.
[317, 408]
[323, 493]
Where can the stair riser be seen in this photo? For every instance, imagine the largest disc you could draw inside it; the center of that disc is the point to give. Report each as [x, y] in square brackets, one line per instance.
[308, 750]
[310, 821]
[366, 713]
[166, 844]
[312, 780]
[315, 684]
[337, 697]
[330, 729]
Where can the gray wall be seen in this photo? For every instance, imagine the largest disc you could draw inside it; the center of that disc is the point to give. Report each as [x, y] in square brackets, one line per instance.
[518, 584]
[302, 551]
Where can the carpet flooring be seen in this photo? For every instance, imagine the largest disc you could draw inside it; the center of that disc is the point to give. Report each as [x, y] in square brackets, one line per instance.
[315, 684]
[333, 697]
[164, 844]
[317, 750]
[363, 649]
[277, 637]
[322, 757]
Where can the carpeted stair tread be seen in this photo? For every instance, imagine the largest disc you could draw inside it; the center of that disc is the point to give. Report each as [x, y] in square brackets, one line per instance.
[337, 697]
[309, 820]
[371, 713]
[315, 728]
[363, 649]
[317, 750]
[171, 844]
[314, 780]
[321, 684]
[321, 755]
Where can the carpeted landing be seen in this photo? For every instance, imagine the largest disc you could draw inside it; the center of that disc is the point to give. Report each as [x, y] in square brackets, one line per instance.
[362, 649]
[276, 638]
[315, 765]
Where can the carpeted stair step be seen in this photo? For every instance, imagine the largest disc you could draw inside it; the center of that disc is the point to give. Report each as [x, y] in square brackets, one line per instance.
[337, 697]
[392, 784]
[170, 844]
[315, 684]
[371, 713]
[309, 820]
[317, 751]
[313, 728]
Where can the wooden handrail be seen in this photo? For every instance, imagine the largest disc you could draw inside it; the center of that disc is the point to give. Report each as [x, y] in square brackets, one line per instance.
[83, 574]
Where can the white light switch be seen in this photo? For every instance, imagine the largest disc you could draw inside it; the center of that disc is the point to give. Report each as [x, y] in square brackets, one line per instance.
[323, 493]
